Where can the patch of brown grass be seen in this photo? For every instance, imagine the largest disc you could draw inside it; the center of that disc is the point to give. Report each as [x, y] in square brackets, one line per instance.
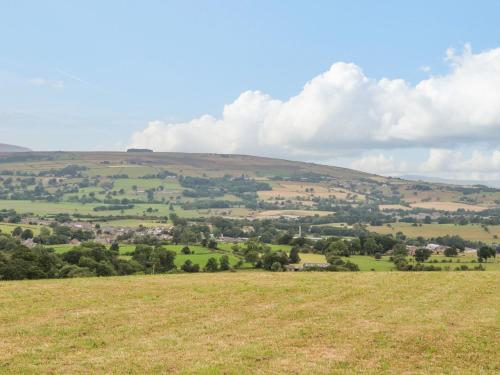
[449, 206]
[253, 323]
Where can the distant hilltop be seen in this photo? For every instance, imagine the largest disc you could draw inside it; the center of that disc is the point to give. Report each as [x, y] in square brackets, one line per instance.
[11, 148]
[139, 150]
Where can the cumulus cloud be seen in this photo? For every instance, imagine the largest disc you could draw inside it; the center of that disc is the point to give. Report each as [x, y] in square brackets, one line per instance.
[55, 84]
[343, 111]
[379, 164]
[445, 160]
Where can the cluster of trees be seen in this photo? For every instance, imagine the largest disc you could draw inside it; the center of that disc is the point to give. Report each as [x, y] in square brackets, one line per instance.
[89, 259]
[61, 234]
[212, 265]
[199, 187]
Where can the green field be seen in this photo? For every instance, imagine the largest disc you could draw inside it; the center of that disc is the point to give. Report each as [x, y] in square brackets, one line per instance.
[247, 323]
[9, 227]
[369, 263]
[472, 232]
[200, 256]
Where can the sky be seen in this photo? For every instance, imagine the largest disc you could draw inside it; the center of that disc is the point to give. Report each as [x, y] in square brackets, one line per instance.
[389, 87]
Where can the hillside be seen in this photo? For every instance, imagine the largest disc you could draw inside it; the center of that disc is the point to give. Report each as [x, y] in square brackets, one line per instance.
[183, 163]
[136, 185]
[11, 148]
[237, 323]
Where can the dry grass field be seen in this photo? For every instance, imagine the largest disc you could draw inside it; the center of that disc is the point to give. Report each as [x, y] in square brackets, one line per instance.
[278, 213]
[292, 189]
[449, 206]
[472, 232]
[248, 323]
[388, 207]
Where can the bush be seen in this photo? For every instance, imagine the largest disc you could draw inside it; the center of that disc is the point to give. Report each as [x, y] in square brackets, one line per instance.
[188, 266]
[212, 265]
[224, 263]
[450, 252]
[276, 267]
[186, 250]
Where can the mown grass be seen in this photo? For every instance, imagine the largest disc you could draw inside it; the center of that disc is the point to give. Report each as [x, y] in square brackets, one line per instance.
[248, 323]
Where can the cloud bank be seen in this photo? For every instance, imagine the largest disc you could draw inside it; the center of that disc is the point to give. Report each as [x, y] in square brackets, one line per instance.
[343, 112]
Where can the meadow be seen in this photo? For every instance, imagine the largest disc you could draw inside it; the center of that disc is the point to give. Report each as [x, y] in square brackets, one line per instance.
[199, 256]
[237, 323]
[472, 232]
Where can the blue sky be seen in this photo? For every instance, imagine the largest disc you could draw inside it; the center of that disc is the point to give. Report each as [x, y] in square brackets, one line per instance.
[88, 76]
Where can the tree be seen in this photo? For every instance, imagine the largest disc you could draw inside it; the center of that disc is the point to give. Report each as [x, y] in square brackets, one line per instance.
[114, 247]
[17, 231]
[371, 246]
[338, 248]
[212, 244]
[212, 265]
[294, 255]
[188, 266]
[276, 267]
[354, 246]
[271, 257]
[27, 233]
[422, 254]
[285, 239]
[185, 250]
[486, 252]
[399, 250]
[450, 252]
[224, 263]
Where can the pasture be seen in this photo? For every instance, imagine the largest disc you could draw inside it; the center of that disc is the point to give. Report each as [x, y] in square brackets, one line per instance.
[243, 323]
[472, 232]
[199, 256]
[449, 206]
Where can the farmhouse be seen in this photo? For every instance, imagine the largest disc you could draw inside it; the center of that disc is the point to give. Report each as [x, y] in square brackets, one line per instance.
[411, 249]
[435, 248]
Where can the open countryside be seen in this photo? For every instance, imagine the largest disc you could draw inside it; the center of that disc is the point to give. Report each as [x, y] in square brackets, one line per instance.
[249, 187]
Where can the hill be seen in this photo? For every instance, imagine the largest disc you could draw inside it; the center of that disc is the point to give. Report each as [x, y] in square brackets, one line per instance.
[184, 163]
[11, 148]
[247, 323]
[88, 184]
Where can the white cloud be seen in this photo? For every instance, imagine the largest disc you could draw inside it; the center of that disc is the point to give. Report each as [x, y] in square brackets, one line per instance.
[479, 165]
[55, 84]
[342, 110]
[379, 164]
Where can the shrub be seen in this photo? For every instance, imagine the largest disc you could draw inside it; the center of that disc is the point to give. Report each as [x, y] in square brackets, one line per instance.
[450, 252]
[276, 267]
[188, 266]
[212, 265]
[224, 263]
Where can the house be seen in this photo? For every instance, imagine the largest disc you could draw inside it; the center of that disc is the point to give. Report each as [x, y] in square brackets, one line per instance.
[411, 250]
[29, 243]
[293, 267]
[435, 248]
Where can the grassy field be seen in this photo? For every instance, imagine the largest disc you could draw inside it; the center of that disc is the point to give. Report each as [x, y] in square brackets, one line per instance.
[243, 323]
[200, 256]
[9, 227]
[471, 232]
[365, 263]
